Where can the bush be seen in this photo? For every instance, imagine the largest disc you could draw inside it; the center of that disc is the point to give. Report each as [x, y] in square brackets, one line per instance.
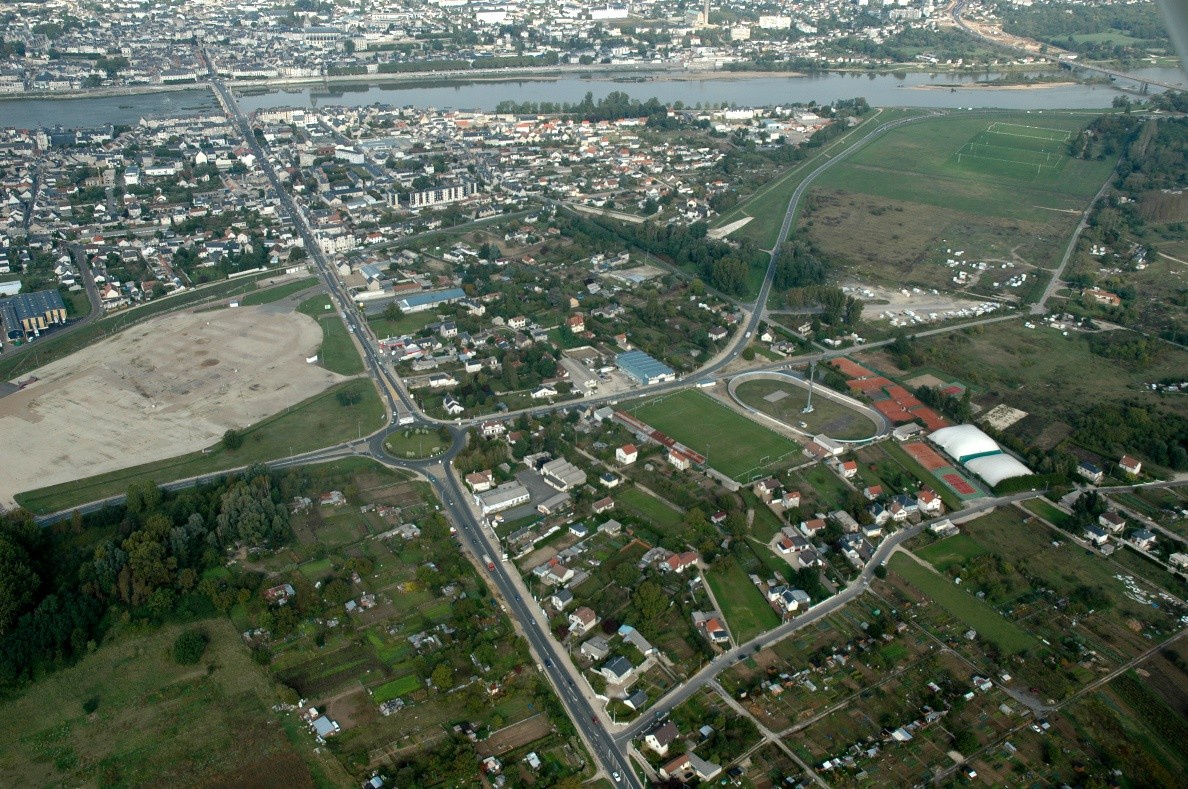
[232, 439]
[91, 704]
[189, 647]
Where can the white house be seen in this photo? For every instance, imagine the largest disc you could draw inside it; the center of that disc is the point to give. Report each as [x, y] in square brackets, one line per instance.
[626, 454]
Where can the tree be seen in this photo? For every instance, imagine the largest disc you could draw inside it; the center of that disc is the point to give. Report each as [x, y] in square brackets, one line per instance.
[650, 601]
[189, 647]
[442, 676]
[18, 582]
[232, 439]
[393, 312]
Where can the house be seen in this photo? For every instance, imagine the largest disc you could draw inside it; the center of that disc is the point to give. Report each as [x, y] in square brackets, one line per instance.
[679, 460]
[576, 324]
[332, 499]
[561, 599]
[1103, 297]
[626, 454]
[1090, 472]
[1096, 535]
[661, 738]
[879, 513]
[480, 481]
[1143, 539]
[578, 530]
[611, 528]
[1130, 465]
[709, 623]
[603, 505]
[581, 620]
[929, 503]
[609, 480]
[617, 670]
[280, 594]
[557, 574]
[1111, 522]
[847, 468]
[872, 530]
[493, 428]
[595, 648]
[452, 406]
[543, 391]
[440, 380]
[845, 520]
[509, 494]
[688, 766]
[518, 322]
[812, 528]
[790, 500]
[324, 727]
[766, 489]
[1179, 561]
[562, 475]
[873, 492]
[637, 700]
[679, 562]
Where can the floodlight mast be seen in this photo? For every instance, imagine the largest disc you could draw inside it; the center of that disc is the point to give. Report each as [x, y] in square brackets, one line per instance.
[808, 408]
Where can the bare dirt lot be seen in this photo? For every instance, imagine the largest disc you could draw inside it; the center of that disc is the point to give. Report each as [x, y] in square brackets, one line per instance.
[166, 387]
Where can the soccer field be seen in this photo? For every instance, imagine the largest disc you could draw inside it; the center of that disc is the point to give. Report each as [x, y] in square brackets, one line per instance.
[732, 444]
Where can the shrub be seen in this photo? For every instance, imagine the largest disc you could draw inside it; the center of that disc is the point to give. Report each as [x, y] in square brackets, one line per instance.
[189, 647]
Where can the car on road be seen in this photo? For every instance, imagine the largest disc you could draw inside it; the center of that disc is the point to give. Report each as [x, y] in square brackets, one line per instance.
[549, 662]
[618, 777]
[517, 596]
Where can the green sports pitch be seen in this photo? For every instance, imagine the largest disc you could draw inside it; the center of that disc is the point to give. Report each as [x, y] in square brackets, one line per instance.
[732, 443]
[1015, 149]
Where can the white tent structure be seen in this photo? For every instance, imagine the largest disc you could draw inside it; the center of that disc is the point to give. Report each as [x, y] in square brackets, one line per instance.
[979, 453]
[995, 468]
[962, 442]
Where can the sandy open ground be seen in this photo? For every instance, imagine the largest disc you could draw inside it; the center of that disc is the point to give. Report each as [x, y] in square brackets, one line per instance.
[163, 388]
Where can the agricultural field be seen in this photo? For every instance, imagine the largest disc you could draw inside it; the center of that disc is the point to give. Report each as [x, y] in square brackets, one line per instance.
[734, 445]
[127, 714]
[747, 613]
[1065, 613]
[1001, 189]
[785, 401]
[398, 620]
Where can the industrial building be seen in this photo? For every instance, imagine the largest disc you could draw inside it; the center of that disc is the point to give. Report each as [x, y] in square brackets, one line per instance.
[507, 495]
[562, 475]
[28, 314]
[979, 453]
[419, 302]
[644, 369]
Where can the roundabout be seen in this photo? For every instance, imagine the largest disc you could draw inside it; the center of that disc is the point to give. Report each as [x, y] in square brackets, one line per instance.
[416, 443]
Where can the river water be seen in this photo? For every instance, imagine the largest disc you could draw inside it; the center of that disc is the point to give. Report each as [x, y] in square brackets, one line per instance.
[886, 90]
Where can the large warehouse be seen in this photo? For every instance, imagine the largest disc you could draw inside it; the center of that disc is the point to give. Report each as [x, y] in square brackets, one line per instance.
[979, 453]
[29, 314]
[643, 368]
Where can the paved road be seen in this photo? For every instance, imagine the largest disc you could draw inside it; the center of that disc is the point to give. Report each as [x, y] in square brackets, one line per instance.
[1041, 306]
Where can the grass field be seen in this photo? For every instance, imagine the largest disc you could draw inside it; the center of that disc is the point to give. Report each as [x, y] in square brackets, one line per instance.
[338, 353]
[650, 507]
[318, 422]
[731, 443]
[945, 553]
[999, 187]
[407, 324]
[156, 723]
[747, 613]
[828, 417]
[395, 689]
[415, 443]
[1047, 511]
[269, 295]
[982, 618]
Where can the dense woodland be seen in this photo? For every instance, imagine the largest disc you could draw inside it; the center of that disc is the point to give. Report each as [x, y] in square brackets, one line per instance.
[1115, 31]
[60, 591]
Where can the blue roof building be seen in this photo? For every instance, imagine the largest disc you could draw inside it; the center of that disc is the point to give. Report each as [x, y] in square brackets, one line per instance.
[419, 302]
[643, 368]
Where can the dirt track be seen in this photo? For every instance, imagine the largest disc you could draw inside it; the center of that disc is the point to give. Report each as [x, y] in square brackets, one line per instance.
[163, 388]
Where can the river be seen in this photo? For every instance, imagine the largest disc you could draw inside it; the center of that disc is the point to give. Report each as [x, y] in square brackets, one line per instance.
[885, 90]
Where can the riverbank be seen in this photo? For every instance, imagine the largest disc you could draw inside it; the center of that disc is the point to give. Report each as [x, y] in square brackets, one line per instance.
[103, 93]
[996, 86]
